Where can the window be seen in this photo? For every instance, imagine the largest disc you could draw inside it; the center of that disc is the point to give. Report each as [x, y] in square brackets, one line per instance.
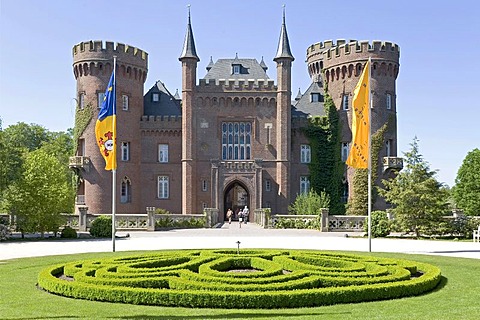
[268, 204]
[204, 185]
[81, 100]
[163, 153]
[268, 126]
[268, 185]
[345, 102]
[388, 146]
[345, 151]
[155, 97]
[236, 140]
[204, 205]
[101, 97]
[81, 147]
[316, 97]
[304, 184]
[124, 102]
[305, 153]
[389, 101]
[163, 187]
[125, 151]
[236, 69]
[125, 192]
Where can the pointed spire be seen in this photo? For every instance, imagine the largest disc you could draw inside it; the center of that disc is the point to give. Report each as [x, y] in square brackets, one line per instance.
[263, 65]
[210, 64]
[176, 95]
[283, 50]
[189, 43]
[299, 95]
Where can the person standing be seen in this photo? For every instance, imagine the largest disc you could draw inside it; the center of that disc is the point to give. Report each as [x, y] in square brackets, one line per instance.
[245, 214]
[229, 215]
[240, 218]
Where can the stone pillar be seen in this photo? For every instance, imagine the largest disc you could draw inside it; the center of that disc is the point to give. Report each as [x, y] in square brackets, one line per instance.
[324, 220]
[151, 218]
[82, 218]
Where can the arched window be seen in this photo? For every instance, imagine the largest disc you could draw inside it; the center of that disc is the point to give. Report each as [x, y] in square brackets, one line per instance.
[126, 191]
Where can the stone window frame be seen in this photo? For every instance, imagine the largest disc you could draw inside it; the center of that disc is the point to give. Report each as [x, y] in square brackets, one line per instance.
[305, 153]
[163, 187]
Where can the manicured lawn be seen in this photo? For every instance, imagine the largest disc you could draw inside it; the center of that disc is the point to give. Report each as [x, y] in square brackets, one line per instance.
[457, 298]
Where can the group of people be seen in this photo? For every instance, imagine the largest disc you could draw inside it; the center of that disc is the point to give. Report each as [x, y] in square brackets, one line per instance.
[241, 214]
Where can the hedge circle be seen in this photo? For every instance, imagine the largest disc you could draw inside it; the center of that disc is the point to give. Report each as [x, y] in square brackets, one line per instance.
[251, 279]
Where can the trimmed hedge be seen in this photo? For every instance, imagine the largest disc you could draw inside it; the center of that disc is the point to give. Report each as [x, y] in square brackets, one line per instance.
[253, 279]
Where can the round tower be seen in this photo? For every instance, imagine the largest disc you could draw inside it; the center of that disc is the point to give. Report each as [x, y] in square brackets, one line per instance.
[92, 68]
[340, 64]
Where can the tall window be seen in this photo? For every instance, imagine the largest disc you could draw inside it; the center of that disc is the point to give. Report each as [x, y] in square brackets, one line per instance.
[101, 97]
[125, 151]
[268, 185]
[304, 184]
[163, 187]
[125, 192]
[345, 102]
[388, 148]
[236, 140]
[81, 100]
[345, 150]
[389, 101]
[163, 153]
[124, 102]
[204, 185]
[305, 153]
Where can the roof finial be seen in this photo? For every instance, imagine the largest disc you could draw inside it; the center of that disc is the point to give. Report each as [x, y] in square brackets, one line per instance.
[283, 6]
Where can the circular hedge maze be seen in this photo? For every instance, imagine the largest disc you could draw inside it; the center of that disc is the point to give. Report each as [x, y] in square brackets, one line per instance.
[251, 279]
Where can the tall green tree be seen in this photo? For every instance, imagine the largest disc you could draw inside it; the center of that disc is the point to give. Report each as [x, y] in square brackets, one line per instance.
[419, 200]
[40, 195]
[466, 191]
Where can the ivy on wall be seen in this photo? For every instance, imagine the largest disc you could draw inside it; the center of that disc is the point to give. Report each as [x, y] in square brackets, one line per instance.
[82, 119]
[358, 204]
[326, 168]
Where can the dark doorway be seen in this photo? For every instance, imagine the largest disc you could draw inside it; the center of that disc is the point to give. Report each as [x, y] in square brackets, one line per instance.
[236, 198]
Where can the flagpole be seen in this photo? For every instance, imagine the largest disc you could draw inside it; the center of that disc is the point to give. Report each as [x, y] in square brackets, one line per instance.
[114, 169]
[369, 158]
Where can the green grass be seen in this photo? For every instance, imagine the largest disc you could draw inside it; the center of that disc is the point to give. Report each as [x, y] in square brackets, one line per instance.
[458, 297]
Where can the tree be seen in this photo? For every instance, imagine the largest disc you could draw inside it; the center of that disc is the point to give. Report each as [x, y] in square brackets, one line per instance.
[466, 191]
[419, 199]
[40, 195]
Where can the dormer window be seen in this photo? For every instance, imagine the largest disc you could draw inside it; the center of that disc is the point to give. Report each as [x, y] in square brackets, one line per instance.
[236, 69]
[316, 97]
[155, 97]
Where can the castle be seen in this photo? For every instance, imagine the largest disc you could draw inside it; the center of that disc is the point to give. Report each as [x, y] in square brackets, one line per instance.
[234, 138]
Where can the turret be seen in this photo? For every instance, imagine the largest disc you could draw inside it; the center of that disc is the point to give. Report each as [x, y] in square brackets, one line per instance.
[189, 59]
[284, 59]
[92, 68]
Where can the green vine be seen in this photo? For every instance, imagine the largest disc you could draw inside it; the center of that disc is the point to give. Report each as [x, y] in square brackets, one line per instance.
[82, 119]
[326, 168]
[359, 202]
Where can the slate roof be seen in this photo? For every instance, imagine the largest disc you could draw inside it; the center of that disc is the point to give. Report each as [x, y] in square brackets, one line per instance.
[189, 50]
[167, 104]
[223, 69]
[304, 103]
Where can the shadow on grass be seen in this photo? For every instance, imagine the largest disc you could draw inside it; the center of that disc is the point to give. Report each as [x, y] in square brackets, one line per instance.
[232, 315]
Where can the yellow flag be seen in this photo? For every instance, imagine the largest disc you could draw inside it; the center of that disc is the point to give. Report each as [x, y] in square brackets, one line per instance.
[358, 157]
[105, 128]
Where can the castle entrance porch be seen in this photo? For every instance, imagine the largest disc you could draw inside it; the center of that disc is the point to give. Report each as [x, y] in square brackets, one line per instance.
[236, 197]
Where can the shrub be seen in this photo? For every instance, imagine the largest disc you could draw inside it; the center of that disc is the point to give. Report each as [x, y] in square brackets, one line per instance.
[161, 211]
[4, 232]
[211, 279]
[101, 227]
[68, 233]
[310, 203]
[381, 226]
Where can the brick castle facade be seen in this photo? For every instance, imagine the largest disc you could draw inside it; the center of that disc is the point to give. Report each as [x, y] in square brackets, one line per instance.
[233, 138]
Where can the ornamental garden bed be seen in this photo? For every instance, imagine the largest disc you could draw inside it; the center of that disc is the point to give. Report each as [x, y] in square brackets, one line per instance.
[257, 279]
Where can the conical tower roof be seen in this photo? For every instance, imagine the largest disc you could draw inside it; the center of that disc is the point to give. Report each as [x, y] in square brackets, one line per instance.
[283, 50]
[188, 50]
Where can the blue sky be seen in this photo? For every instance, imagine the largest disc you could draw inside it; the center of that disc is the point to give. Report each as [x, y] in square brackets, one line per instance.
[436, 86]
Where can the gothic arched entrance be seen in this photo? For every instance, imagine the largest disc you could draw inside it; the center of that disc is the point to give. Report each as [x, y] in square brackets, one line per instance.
[236, 197]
